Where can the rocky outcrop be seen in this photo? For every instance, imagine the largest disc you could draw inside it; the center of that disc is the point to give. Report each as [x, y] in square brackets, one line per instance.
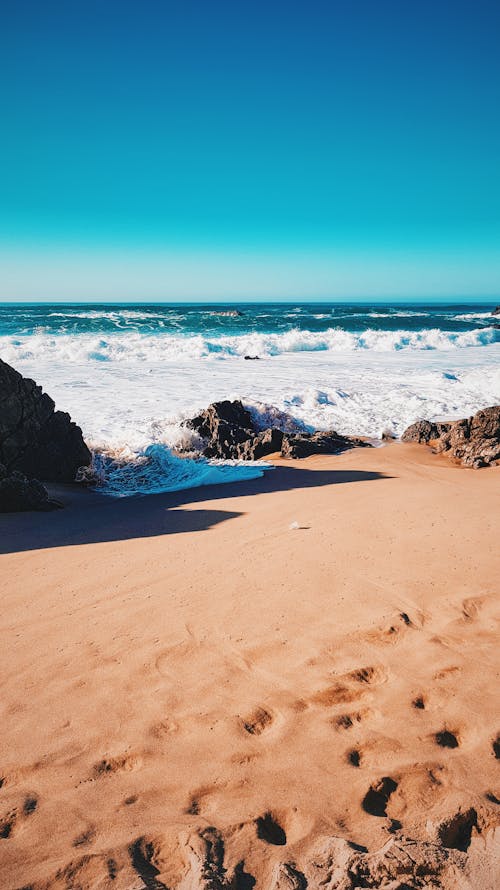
[230, 434]
[224, 426]
[305, 444]
[35, 439]
[264, 443]
[496, 310]
[473, 442]
[423, 432]
[18, 493]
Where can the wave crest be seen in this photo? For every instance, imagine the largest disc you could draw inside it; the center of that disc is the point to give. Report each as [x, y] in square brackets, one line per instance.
[164, 347]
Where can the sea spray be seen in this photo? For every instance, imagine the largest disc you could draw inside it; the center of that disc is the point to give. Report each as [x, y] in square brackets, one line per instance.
[156, 469]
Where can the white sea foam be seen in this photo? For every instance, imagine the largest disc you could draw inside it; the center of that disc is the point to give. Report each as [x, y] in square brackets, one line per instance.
[408, 313]
[472, 316]
[155, 469]
[134, 346]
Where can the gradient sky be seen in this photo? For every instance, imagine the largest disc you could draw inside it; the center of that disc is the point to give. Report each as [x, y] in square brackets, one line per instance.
[161, 150]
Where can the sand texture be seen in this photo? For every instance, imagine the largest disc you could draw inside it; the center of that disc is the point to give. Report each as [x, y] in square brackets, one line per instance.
[195, 695]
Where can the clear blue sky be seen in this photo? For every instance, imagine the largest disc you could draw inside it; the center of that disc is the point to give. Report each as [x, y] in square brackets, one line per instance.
[165, 150]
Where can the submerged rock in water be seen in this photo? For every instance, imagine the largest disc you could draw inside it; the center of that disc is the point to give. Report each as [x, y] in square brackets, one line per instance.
[18, 493]
[228, 313]
[474, 442]
[35, 439]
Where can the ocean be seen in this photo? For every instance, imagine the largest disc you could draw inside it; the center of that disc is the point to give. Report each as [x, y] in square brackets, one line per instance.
[129, 374]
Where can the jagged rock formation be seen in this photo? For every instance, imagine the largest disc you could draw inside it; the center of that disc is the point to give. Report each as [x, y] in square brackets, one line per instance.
[230, 433]
[423, 432]
[305, 444]
[473, 442]
[225, 426]
[35, 439]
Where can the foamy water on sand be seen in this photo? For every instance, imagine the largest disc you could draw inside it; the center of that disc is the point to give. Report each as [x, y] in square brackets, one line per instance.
[129, 375]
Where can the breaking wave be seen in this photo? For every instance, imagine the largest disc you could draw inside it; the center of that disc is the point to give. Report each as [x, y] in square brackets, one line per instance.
[125, 347]
[155, 469]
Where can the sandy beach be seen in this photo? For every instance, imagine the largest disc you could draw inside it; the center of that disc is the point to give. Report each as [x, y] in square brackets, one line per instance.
[195, 692]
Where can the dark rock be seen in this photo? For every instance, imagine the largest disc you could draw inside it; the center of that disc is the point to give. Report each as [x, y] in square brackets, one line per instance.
[423, 431]
[228, 313]
[230, 433]
[475, 442]
[496, 310]
[224, 426]
[18, 493]
[266, 442]
[298, 445]
[252, 358]
[35, 439]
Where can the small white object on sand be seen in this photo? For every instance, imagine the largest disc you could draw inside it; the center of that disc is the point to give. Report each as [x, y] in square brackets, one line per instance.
[293, 525]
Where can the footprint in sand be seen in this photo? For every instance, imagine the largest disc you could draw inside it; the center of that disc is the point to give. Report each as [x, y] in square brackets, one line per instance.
[354, 757]
[447, 672]
[447, 739]
[347, 721]
[350, 686]
[472, 606]
[419, 703]
[256, 722]
[109, 766]
[367, 675]
[456, 832]
[86, 837]
[164, 728]
[377, 797]
[16, 817]
[393, 631]
[419, 789]
[270, 830]
[196, 799]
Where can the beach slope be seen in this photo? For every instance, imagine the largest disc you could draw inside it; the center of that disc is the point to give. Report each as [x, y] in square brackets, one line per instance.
[285, 683]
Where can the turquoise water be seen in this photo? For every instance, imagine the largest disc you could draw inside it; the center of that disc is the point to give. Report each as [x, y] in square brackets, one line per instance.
[216, 321]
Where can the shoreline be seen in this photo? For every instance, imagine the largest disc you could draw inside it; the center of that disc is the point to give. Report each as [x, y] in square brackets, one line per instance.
[187, 663]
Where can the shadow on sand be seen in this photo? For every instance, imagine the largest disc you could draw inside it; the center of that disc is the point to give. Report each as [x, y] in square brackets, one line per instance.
[90, 518]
